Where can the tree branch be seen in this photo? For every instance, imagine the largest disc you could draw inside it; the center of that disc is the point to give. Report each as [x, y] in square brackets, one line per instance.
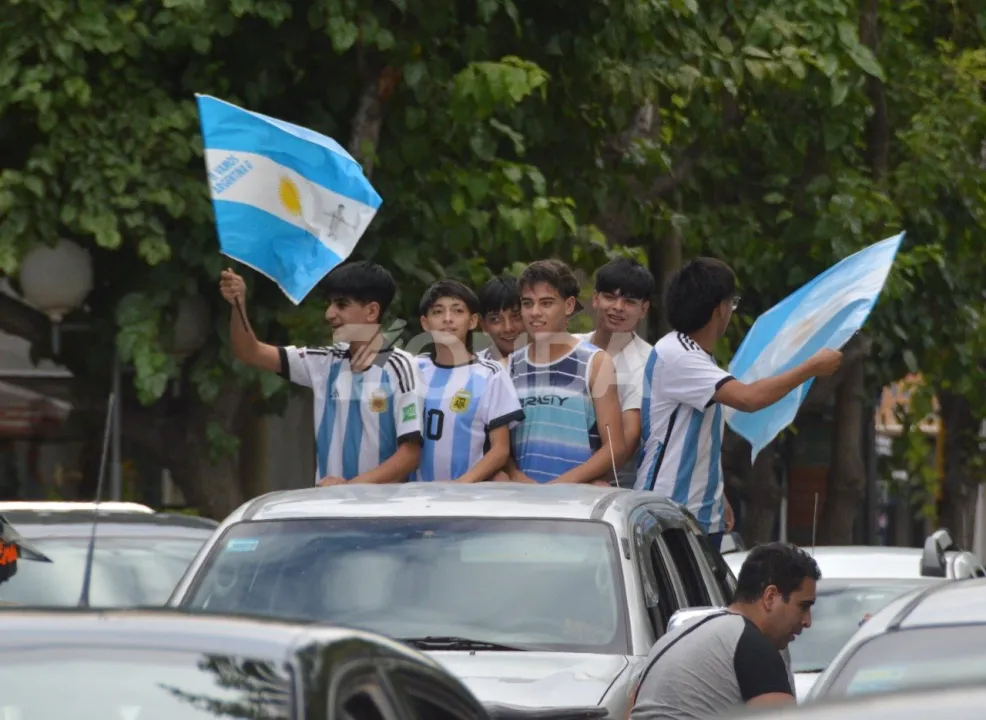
[369, 116]
[878, 126]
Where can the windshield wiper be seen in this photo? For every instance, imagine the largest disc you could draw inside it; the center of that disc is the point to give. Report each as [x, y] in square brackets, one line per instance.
[452, 642]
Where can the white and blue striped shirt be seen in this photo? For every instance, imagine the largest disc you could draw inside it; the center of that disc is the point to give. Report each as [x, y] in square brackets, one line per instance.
[681, 428]
[360, 417]
[462, 404]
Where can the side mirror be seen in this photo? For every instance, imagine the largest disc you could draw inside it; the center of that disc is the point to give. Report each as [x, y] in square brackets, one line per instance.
[933, 557]
[686, 615]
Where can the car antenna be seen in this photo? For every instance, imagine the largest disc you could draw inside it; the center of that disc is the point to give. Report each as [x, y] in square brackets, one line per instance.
[87, 575]
[814, 525]
[612, 456]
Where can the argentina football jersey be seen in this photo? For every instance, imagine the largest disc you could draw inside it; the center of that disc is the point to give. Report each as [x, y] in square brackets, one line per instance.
[360, 417]
[682, 428]
[559, 430]
[462, 404]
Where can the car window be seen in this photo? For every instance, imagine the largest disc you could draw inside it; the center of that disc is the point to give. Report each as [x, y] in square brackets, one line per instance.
[687, 567]
[653, 559]
[127, 571]
[429, 699]
[722, 575]
[86, 681]
[913, 659]
[554, 585]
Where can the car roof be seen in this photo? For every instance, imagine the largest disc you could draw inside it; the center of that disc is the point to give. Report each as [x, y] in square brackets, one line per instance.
[488, 499]
[857, 561]
[955, 603]
[76, 523]
[956, 703]
[173, 629]
[66, 506]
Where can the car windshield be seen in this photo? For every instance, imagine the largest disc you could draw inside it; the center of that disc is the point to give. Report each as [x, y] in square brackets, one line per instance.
[529, 584]
[913, 659]
[127, 571]
[96, 683]
[839, 608]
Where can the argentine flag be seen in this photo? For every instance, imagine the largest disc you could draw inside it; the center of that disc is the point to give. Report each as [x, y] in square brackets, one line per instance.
[825, 313]
[289, 202]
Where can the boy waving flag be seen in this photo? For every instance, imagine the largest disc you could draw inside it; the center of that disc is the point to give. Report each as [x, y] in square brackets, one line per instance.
[367, 406]
[469, 403]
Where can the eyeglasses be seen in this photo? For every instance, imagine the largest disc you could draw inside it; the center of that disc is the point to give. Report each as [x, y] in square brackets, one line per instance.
[735, 302]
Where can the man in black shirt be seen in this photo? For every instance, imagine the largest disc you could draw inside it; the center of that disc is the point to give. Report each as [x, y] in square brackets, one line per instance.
[733, 657]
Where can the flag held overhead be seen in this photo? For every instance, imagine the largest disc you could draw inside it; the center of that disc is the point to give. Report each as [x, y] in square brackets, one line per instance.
[824, 313]
[289, 202]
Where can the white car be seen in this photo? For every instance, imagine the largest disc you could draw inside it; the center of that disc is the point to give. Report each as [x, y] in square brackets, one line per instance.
[543, 597]
[857, 581]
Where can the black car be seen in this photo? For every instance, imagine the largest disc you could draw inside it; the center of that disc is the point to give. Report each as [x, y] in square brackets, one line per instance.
[170, 665]
[137, 560]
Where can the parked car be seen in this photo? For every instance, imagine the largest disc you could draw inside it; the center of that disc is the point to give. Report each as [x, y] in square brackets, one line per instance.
[954, 703]
[929, 637]
[167, 665]
[859, 580]
[138, 557]
[536, 596]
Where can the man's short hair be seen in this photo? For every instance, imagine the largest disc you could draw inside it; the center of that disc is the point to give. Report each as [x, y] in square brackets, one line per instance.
[627, 278]
[554, 273]
[782, 565]
[363, 281]
[695, 291]
[448, 289]
[498, 294]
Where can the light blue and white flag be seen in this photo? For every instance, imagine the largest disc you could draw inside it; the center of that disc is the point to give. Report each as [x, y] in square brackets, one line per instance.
[289, 202]
[824, 313]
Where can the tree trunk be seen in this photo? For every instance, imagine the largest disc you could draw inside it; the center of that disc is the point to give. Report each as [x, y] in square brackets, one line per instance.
[847, 469]
[754, 484]
[960, 483]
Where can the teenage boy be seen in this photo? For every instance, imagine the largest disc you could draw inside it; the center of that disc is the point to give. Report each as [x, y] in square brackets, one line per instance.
[469, 403]
[621, 300]
[499, 317]
[367, 406]
[684, 391]
[573, 431]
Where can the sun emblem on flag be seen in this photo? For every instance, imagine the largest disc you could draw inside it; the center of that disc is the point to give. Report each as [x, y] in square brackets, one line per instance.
[290, 196]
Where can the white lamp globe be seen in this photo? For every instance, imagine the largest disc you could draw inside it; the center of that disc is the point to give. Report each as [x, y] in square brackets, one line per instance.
[56, 279]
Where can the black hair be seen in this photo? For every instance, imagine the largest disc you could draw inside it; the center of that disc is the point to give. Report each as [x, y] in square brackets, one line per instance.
[695, 291]
[553, 272]
[625, 277]
[782, 565]
[498, 294]
[449, 289]
[363, 281]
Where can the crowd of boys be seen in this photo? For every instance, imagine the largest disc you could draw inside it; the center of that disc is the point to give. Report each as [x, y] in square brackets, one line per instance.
[539, 405]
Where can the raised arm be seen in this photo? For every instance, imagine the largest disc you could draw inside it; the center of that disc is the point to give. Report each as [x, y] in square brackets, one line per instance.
[246, 347]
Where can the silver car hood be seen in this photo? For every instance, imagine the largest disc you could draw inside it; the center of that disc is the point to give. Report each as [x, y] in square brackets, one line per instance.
[534, 679]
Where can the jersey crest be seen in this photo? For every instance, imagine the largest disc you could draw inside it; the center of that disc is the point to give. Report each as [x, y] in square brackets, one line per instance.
[460, 401]
[378, 401]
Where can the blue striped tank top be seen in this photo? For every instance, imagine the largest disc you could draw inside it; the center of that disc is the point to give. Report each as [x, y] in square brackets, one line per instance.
[559, 429]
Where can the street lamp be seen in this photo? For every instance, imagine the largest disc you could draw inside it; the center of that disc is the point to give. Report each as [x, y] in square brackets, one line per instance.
[56, 279]
[191, 328]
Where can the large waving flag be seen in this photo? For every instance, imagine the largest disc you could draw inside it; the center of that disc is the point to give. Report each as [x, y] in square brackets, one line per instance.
[825, 313]
[289, 202]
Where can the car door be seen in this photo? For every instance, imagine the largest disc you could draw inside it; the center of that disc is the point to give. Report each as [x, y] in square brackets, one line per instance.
[660, 589]
[704, 574]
